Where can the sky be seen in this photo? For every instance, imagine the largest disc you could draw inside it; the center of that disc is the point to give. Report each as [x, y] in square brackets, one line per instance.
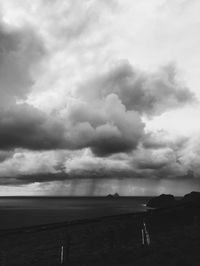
[99, 97]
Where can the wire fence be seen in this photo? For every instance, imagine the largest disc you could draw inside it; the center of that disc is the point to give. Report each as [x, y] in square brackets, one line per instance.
[64, 244]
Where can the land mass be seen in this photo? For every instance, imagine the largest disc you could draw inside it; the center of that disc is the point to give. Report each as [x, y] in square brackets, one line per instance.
[168, 200]
[167, 235]
[116, 195]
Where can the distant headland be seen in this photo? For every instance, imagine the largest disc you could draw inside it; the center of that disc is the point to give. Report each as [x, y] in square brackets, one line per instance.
[116, 195]
[168, 200]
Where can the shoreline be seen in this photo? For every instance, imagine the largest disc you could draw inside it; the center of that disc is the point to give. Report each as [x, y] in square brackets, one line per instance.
[140, 238]
[49, 226]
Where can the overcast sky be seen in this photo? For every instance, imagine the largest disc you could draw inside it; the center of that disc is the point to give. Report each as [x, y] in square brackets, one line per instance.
[99, 96]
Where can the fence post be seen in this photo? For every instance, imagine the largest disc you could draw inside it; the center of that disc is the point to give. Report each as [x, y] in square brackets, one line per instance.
[65, 248]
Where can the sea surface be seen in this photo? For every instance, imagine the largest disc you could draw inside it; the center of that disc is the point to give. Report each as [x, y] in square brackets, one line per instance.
[18, 212]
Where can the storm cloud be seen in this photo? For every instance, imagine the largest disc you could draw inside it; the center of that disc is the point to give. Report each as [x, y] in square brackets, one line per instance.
[27, 127]
[111, 127]
[100, 120]
[147, 93]
[86, 96]
[105, 114]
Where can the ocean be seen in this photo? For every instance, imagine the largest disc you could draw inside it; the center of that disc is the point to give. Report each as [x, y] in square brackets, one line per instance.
[16, 212]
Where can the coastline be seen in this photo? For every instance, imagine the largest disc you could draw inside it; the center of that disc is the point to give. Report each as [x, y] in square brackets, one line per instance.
[174, 238]
[80, 239]
[49, 226]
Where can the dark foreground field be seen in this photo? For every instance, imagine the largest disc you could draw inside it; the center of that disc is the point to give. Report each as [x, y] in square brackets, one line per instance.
[174, 240]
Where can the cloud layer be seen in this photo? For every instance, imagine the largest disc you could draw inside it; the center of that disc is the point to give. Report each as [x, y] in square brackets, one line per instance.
[20, 51]
[147, 93]
[80, 87]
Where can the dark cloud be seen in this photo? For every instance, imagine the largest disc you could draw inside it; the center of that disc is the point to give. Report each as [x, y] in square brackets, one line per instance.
[111, 106]
[149, 94]
[110, 139]
[105, 130]
[107, 145]
[106, 127]
[62, 176]
[151, 165]
[152, 159]
[149, 172]
[41, 177]
[24, 126]
[4, 155]
[106, 115]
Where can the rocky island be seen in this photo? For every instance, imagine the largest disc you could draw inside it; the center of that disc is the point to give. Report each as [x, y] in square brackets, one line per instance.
[116, 195]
